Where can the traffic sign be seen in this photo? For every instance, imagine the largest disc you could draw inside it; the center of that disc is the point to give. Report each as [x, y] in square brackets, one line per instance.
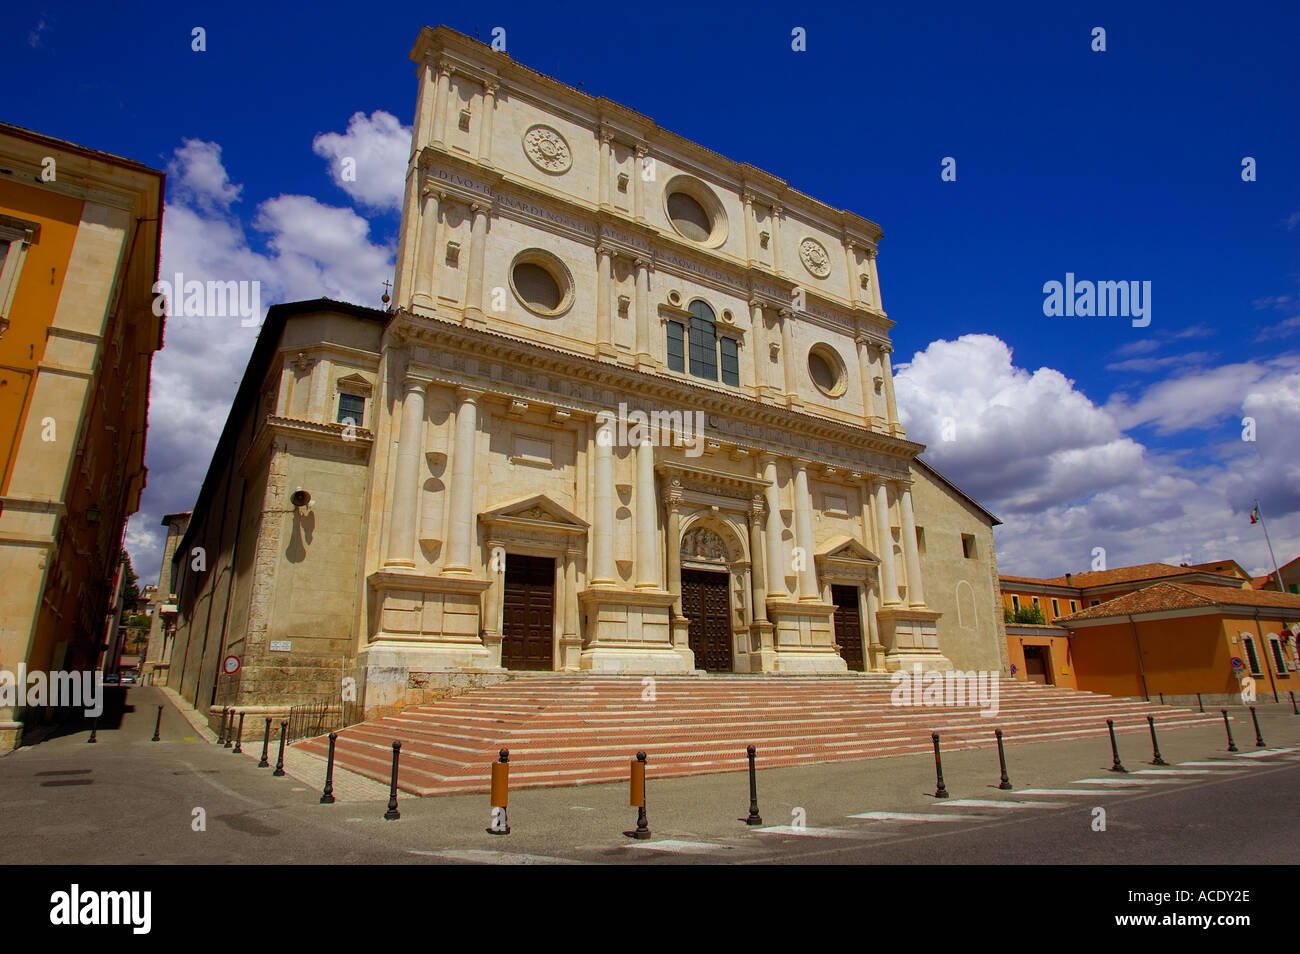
[230, 665]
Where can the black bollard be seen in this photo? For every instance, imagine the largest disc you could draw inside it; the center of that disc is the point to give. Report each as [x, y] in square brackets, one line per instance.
[1232, 746]
[1259, 739]
[1162, 698]
[157, 727]
[637, 799]
[327, 797]
[1199, 704]
[754, 817]
[221, 728]
[1114, 749]
[940, 791]
[1293, 708]
[239, 739]
[94, 730]
[230, 728]
[266, 744]
[279, 762]
[1005, 784]
[392, 812]
[1155, 747]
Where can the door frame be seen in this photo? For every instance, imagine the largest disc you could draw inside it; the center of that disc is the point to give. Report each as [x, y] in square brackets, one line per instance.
[724, 574]
[557, 610]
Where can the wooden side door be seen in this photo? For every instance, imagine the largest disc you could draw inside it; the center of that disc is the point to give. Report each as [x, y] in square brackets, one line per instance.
[848, 626]
[704, 601]
[528, 626]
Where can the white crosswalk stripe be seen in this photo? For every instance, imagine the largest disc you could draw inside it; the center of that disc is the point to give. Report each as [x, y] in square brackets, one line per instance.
[995, 803]
[1090, 792]
[678, 846]
[918, 817]
[484, 857]
[804, 830]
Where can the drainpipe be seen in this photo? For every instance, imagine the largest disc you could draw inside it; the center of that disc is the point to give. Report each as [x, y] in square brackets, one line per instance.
[1141, 669]
[1263, 645]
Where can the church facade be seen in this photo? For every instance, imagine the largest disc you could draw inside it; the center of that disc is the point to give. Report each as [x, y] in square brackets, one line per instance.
[631, 409]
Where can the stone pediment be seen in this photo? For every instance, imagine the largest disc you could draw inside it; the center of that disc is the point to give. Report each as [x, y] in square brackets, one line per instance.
[353, 382]
[536, 511]
[844, 549]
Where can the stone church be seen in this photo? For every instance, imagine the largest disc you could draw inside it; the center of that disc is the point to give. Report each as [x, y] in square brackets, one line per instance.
[631, 409]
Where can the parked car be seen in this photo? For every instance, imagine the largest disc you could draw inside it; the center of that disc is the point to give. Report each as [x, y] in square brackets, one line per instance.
[111, 679]
[128, 679]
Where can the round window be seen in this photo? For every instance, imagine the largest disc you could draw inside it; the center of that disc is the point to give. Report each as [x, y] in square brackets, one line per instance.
[694, 211]
[827, 370]
[541, 283]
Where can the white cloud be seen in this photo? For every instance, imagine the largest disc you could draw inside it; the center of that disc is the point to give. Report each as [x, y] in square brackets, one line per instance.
[1199, 399]
[311, 250]
[379, 147]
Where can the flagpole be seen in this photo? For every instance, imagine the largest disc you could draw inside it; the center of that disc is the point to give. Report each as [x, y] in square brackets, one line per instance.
[1263, 526]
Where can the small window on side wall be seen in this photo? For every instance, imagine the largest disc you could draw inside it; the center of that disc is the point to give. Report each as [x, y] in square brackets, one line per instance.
[352, 410]
[968, 546]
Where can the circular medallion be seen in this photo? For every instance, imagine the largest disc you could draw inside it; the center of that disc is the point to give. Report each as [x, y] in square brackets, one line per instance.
[814, 257]
[547, 150]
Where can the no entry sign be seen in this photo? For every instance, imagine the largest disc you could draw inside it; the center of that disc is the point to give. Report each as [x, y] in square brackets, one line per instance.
[230, 665]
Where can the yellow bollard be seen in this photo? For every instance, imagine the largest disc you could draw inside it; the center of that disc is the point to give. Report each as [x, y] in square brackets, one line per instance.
[636, 798]
[500, 794]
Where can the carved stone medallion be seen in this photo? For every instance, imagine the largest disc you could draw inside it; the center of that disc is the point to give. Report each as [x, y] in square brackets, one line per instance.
[814, 257]
[547, 150]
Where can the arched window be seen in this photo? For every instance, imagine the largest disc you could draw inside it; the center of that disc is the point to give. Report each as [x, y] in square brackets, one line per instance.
[699, 348]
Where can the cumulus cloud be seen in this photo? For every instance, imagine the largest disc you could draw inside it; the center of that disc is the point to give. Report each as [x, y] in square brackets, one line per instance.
[1065, 478]
[297, 248]
[368, 162]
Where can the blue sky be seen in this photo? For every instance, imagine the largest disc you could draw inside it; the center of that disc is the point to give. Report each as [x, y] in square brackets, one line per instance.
[1116, 165]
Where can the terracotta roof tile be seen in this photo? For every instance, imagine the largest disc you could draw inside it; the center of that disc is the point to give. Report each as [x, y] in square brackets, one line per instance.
[1172, 596]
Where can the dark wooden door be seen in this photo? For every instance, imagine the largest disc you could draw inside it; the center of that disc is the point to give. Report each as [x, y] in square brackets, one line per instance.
[704, 601]
[1036, 667]
[529, 613]
[848, 626]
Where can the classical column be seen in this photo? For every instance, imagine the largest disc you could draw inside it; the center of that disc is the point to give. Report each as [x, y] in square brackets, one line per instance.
[604, 284]
[673, 501]
[851, 261]
[440, 102]
[887, 371]
[873, 281]
[758, 574]
[428, 93]
[404, 511]
[643, 353]
[803, 532]
[787, 350]
[772, 532]
[606, 149]
[603, 572]
[885, 545]
[865, 375]
[485, 124]
[426, 257]
[570, 591]
[461, 502]
[776, 239]
[757, 344]
[647, 551]
[477, 254]
[751, 226]
[915, 595]
[638, 184]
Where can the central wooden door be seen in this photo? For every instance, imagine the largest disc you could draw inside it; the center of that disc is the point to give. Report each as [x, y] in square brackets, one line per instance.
[704, 601]
[848, 626]
[528, 623]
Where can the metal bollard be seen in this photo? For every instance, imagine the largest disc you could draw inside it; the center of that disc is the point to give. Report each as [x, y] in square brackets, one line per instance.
[637, 799]
[1259, 739]
[327, 797]
[392, 812]
[1232, 746]
[1199, 704]
[157, 727]
[94, 730]
[221, 728]
[279, 762]
[500, 794]
[1114, 749]
[266, 745]
[230, 728]
[1005, 784]
[1155, 747]
[754, 818]
[940, 791]
[239, 739]
[1293, 708]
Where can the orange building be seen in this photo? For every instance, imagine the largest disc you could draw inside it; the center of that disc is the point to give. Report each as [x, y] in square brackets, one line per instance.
[79, 244]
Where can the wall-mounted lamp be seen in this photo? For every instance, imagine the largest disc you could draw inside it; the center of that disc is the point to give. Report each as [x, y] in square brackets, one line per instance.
[300, 498]
[92, 513]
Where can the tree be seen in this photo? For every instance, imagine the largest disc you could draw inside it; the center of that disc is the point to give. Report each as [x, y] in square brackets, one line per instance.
[130, 585]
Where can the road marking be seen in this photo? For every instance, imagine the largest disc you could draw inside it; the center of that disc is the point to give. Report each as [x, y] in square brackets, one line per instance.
[1177, 771]
[1069, 791]
[804, 830]
[995, 803]
[1124, 781]
[678, 846]
[1217, 765]
[918, 816]
[1263, 752]
[484, 857]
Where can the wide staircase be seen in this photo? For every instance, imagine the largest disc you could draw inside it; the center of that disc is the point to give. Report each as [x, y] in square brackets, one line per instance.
[573, 729]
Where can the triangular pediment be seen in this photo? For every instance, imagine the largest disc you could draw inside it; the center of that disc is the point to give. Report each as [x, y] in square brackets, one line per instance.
[846, 549]
[353, 382]
[537, 508]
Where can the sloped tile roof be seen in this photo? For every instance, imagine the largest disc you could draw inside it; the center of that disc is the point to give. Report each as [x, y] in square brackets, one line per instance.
[1161, 597]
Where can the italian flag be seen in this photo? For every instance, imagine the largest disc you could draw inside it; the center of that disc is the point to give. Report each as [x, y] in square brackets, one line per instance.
[1254, 514]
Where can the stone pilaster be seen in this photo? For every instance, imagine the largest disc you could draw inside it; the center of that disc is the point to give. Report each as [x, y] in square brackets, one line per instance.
[485, 124]
[403, 511]
[477, 258]
[426, 256]
[461, 511]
